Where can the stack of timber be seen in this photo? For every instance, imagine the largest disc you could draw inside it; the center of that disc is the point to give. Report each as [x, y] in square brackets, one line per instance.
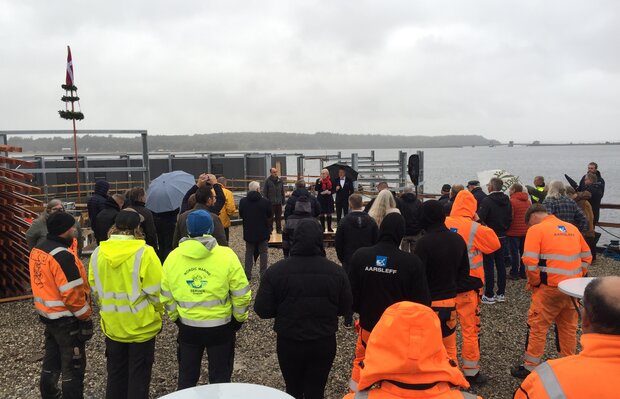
[14, 221]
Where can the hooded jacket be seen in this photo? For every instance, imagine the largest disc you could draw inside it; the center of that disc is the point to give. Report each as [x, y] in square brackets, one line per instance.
[443, 254]
[95, 203]
[411, 209]
[229, 208]
[256, 213]
[405, 358]
[301, 192]
[356, 230]
[519, 202]
[590, 374]
[303, 209]
[496, 212]
[203, 284]
[478, 238]
[105, 219]
[382, 275]
[305, 292]
[125, 275]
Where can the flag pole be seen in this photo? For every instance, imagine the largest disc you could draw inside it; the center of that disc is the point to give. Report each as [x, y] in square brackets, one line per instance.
[77, 162]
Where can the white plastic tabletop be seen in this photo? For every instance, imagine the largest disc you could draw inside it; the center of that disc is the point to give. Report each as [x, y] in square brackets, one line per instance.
[228, 391]
[575, 286]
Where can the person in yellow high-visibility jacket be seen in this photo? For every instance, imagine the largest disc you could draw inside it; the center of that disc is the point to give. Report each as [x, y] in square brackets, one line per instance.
[206, 293]
[229, 207]
[125, 274]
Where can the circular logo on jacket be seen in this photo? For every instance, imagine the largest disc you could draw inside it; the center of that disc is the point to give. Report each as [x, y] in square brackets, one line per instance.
[197, 281]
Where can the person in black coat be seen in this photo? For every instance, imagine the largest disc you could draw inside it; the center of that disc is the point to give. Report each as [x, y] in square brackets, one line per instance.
[592, 168]
[356, 230]
[305, 293]
[445, 194]
[474, 187]
[256, 213]
[137, 199]
[444, 256]
[380, 276]
[165, 225]
[105, 218]
[411, 209]
[343, 186]
[495, 211]
[324, 192]
[300, 190]
[303, 210]
[595, 188]
[96, 202]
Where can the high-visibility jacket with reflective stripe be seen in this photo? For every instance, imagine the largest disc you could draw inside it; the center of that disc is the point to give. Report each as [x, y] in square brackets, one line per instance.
[555, 251]
[204, 284]
[590, 374]
[59, 283]
[125, 275]
[479, 239]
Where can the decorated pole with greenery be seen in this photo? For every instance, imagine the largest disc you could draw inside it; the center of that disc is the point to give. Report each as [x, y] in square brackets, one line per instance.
[73, 115]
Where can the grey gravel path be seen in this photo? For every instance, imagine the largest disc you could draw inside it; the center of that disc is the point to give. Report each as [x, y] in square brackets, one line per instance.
[21, 337]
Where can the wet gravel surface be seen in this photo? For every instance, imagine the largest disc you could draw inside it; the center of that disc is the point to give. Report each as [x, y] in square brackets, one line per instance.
[502, 345]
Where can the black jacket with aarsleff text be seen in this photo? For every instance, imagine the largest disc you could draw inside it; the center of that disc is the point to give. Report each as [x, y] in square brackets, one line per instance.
[382, 275]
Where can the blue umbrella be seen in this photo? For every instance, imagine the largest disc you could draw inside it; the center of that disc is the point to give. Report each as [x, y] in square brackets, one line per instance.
[166, 192]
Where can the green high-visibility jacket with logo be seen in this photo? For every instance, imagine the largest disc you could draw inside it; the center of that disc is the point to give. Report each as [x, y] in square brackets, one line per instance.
[125, 275]
[204, 284]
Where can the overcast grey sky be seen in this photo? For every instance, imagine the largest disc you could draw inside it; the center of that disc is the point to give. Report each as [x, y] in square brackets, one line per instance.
[509, 70]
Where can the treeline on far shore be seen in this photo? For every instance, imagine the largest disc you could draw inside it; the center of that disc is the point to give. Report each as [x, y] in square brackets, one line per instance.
[246, 141]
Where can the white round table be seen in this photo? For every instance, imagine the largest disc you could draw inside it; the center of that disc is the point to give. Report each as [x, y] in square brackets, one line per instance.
[574, 287]
[228, 391]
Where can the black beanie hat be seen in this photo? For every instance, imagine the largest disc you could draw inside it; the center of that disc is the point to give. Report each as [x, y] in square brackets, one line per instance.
[432, 213]
[59, 222]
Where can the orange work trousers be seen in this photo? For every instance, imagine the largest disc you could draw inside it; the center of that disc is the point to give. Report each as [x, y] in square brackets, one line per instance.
[468, 313]
[550, 305]
[360, 354]
[446, 311]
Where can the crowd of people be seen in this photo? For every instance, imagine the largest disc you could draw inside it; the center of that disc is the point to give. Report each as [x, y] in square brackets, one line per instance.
[410, 269]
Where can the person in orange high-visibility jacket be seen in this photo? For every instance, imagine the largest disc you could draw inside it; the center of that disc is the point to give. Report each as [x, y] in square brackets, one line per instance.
[592, 373]
[406, 358]
[554, 251]
[62, 299]
[480, 240]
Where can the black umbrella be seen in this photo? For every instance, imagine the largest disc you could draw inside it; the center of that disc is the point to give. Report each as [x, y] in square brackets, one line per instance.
[333, 171]
[572, 182]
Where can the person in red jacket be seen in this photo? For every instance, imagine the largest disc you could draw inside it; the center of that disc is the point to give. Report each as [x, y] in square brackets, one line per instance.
[515, 234]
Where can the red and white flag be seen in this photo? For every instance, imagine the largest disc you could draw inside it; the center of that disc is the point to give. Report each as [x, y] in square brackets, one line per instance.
[69, 78]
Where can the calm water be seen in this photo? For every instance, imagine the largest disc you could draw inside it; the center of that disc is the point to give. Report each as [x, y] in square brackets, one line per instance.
[459, 165]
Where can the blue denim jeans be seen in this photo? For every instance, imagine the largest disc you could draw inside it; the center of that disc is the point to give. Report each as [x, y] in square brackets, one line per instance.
[516, 251]
[491, 262]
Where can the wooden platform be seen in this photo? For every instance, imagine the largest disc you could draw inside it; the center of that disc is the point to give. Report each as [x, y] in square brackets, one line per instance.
[275, 240]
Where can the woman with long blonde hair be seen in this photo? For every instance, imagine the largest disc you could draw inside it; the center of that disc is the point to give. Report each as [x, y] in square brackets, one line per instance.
[324, 192]
[384, 204]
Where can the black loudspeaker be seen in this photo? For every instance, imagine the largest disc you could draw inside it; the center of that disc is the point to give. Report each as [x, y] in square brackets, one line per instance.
[413, 168]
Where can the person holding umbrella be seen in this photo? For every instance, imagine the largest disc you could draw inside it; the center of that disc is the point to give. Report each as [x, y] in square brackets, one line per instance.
[343, 185]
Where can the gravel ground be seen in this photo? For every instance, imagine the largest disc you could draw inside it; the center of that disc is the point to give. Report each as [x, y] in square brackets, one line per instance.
[502, 342]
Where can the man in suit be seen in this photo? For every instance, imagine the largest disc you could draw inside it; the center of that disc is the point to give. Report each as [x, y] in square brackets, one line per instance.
[344, 188]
